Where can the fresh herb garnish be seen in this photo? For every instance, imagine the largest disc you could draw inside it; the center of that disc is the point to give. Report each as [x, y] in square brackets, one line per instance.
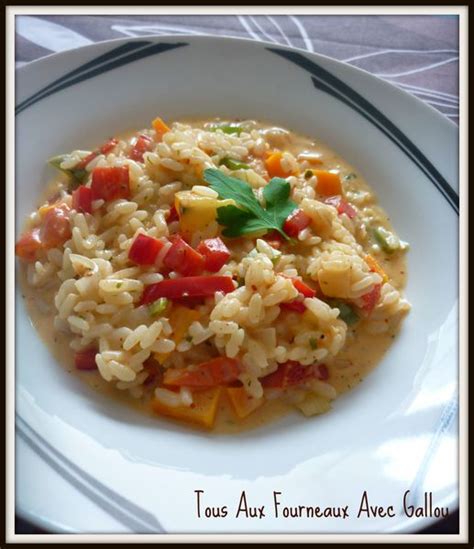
[250, 217]
[233, 164]
[308, 174]
[313, 343]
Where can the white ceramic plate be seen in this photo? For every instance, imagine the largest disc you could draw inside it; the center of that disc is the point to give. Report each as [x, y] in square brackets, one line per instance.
[85, 464]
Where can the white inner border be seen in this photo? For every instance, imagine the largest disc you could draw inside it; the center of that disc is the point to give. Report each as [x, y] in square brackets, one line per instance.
[11, 12]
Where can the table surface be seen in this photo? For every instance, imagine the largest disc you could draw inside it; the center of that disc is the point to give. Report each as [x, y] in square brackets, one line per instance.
[420, 54]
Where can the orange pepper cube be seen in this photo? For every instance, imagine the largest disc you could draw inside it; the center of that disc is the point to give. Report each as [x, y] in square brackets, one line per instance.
[329, 183]
[202, 412]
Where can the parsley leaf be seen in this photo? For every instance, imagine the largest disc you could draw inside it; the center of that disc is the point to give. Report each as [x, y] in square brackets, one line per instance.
[249, 216]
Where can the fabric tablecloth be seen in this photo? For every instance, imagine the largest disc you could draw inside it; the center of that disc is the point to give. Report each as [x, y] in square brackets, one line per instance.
[420, 54]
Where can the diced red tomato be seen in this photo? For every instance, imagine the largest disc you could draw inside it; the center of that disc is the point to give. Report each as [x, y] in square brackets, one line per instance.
[190, 302]
[371, 298]
[85, 360]
[144, 250]
[342, 206]
[288, 374]
[302, 287]
[55, 228]
[108, 145]
[83, 163]
[296, 222]
[142, 145]
[105, 149]
[293, 373]
[218, 371]
[152, 366]
[321, 371]
[82, 199]
[274, 238]
[28, 245]
[215, 254]
[172, 215]
[296, 306]
[183, 259]
[190, 286]
[110, 183]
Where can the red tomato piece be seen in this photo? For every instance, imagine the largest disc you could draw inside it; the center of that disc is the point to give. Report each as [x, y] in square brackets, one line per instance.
[288, 374]
[183, 259]
[218, 371]
[144, 250]
[371, 298]
[190, 302]
[190, 286]
[110, 183]
[215, 254]
[82, 199]
[142, 145]
[28, 244]
[85, 360]
[296, 222]
[321, 371]
[274, 238]
[105, 149]
[303, 288]
[172, 215]
[296, 306]
[154, 370]
[342, 206]
[108, 146]
[55, 227]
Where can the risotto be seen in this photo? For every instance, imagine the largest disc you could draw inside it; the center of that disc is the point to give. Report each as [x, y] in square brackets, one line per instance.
[214, 271]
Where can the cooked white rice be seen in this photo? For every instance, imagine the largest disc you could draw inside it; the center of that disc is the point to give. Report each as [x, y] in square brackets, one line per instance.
[98, 289]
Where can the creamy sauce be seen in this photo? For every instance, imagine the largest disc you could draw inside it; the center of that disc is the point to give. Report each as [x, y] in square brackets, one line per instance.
[361, 353]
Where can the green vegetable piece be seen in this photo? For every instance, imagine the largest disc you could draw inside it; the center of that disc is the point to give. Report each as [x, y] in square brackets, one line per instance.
[233, 164]
[228, 128]
[158, 307]
[250, 217]
[56, 161]
[387, 240]
[77, 177]
[346, 312]
[313, 343]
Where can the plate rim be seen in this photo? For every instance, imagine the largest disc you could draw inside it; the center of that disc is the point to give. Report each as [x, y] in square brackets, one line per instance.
[265, 43]
[418, 103]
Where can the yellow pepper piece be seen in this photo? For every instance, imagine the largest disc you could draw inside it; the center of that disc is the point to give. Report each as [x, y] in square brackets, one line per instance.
[243, 404]
[180, 318]
[159, 126]
[43, 210]
[375, 267]
[202, 412]
[196, 212]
